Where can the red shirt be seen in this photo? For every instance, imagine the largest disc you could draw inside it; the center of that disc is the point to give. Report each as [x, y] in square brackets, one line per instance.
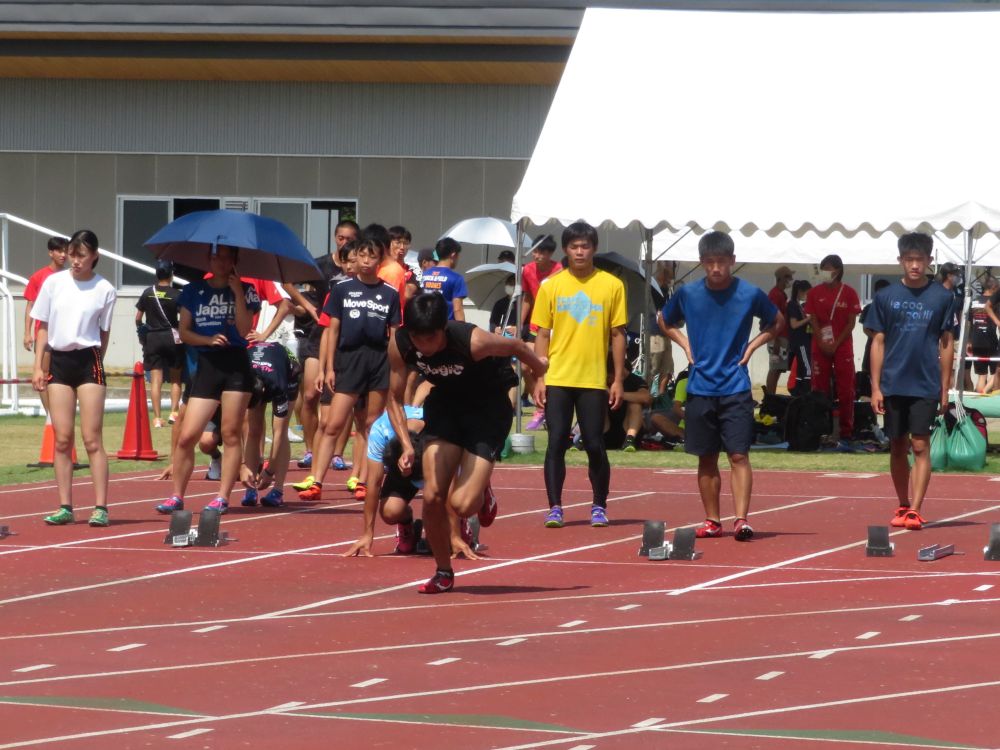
[530, 280]
[34, 284]
[819, 302]
[779, 300]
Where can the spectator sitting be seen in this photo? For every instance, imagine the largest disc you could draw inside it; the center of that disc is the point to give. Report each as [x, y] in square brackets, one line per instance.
[670, 422]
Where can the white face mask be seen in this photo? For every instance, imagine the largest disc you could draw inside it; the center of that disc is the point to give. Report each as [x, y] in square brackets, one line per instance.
[828, 276]
[509, 289]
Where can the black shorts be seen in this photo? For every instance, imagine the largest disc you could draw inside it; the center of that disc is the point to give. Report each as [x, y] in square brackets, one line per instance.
[478, 425]
[713, 424]
[219, 371]
[982, 368]
[161, 353]
[396, 485]
[308, 348]
[909, 415]
[76, 367]
[274, 394]
[361, 370]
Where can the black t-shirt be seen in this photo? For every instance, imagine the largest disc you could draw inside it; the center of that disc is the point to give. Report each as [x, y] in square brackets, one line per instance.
[982, 331]
[497, 313]
[798, 337]
[365, 312]
[156, 319]
[453, 371]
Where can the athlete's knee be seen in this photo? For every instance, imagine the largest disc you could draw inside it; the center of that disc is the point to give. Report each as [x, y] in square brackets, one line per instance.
[63, 443]
[739, 459]
[92, 443]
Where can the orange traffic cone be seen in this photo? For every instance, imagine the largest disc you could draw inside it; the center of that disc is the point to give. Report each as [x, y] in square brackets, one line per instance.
[137, 443]
[48, 452]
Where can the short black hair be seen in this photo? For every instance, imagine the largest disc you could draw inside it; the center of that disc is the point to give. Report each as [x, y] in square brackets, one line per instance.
[57, 243]
[376, 233]
[579, 230]
[426, 313]
[545, 242]
[506, 256]
[799, 286]
[716, 243]
[446, 247]
[881, 284]
[917, 242]
[347, 223]
[349, 247]
[371, 244]
[400, 233]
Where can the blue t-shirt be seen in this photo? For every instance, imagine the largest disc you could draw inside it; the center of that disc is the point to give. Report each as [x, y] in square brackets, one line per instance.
[365, 311]
[214, 311]
[381, 433]
[718, 328]
[912, 321]
[446, 282]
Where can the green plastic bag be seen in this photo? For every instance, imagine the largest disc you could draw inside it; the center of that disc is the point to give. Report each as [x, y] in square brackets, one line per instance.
[939, 445]
[966, 444]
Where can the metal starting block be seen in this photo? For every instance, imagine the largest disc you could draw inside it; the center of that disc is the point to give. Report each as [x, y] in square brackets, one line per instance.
[681, 548]
[935, 552]
[653, 535]
[6, 532]
[878, 542]
[991, 551]
[180, 526]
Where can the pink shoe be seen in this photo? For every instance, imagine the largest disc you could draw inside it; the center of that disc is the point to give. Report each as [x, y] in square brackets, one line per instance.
[536, 421]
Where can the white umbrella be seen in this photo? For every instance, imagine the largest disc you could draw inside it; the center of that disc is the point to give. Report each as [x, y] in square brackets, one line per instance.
[486, 283]
[486, 230]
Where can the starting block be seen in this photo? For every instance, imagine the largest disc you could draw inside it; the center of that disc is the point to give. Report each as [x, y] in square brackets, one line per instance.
[6, 532]
[208, 529]
[180, 526]
[878, 542]
[935, 552]
[653, 535]
[681, 548]
[991, 551]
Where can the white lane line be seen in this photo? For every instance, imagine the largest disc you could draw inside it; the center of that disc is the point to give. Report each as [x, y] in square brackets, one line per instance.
[512, 641]
[627, 607]
[287, 706]
[126, 647]
[583, 747]
[813, 555]
[210, 629]
[713, 697]
[769, 676]
[823, 654]
[369, 683]
[984, 587]
[868, 635]
[497, 566]
[442, 662]
[648, 722]
[573, 623]
[191, 733]
[34, 668]
[910, 618]
[805, 740]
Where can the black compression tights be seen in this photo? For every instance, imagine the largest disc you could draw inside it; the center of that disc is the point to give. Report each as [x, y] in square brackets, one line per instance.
[590, 405]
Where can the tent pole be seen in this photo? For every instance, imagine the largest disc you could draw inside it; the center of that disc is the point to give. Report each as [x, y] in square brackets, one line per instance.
[958, 382]
[518, 301]
[647, 311]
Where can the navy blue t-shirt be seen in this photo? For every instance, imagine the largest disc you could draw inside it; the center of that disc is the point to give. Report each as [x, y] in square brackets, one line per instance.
[214, 311]
[912, 321]
[446, 282]
[365, 312]
[718, 327]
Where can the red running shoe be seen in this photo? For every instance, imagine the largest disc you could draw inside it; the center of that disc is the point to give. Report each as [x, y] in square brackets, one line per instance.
[913, 521]
[742, 530]
[708, 529]
[488, 510]
[406, 538]
[899, 520]
[313, 493]
[466, 531]
[360, 491]
[441, 582]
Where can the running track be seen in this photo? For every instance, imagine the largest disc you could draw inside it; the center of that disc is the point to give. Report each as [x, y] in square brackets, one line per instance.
[559, 638]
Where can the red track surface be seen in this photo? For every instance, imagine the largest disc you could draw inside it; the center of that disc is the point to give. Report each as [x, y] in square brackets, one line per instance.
[605, 640]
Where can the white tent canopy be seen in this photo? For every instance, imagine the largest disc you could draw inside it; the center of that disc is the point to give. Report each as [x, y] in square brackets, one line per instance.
[782, 122]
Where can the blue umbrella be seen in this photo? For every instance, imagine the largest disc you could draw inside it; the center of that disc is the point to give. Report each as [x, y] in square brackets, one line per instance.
[268, 248]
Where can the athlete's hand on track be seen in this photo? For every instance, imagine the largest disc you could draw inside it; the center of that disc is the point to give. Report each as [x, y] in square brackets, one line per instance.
[361, 547]
[459, 547]
[167, 473]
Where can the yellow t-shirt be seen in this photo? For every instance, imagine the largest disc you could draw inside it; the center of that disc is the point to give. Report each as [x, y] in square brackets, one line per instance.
[580, 313]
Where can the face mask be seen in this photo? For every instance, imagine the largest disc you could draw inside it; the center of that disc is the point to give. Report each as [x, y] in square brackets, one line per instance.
[509, 289]
[828, 276]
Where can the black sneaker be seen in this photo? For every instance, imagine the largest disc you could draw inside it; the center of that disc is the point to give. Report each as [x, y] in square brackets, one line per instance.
[629, 446]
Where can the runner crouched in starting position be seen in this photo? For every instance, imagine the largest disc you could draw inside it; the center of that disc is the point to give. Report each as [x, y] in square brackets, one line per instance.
[276, 382]
[467, 415]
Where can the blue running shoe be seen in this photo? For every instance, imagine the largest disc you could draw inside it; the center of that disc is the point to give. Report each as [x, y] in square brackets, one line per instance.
[220, 504]
[249, 498]
[338, 463]
[554, 519]
[598, 516]
[273, 499]
[306, 461]
[169, 506]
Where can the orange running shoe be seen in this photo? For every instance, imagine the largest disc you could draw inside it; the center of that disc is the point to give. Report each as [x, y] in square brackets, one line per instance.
[360, 491]
[313, 493]
[913, 521]
[899, 520]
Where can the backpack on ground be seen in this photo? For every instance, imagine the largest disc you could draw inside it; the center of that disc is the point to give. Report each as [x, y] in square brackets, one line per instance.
[807, 420]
